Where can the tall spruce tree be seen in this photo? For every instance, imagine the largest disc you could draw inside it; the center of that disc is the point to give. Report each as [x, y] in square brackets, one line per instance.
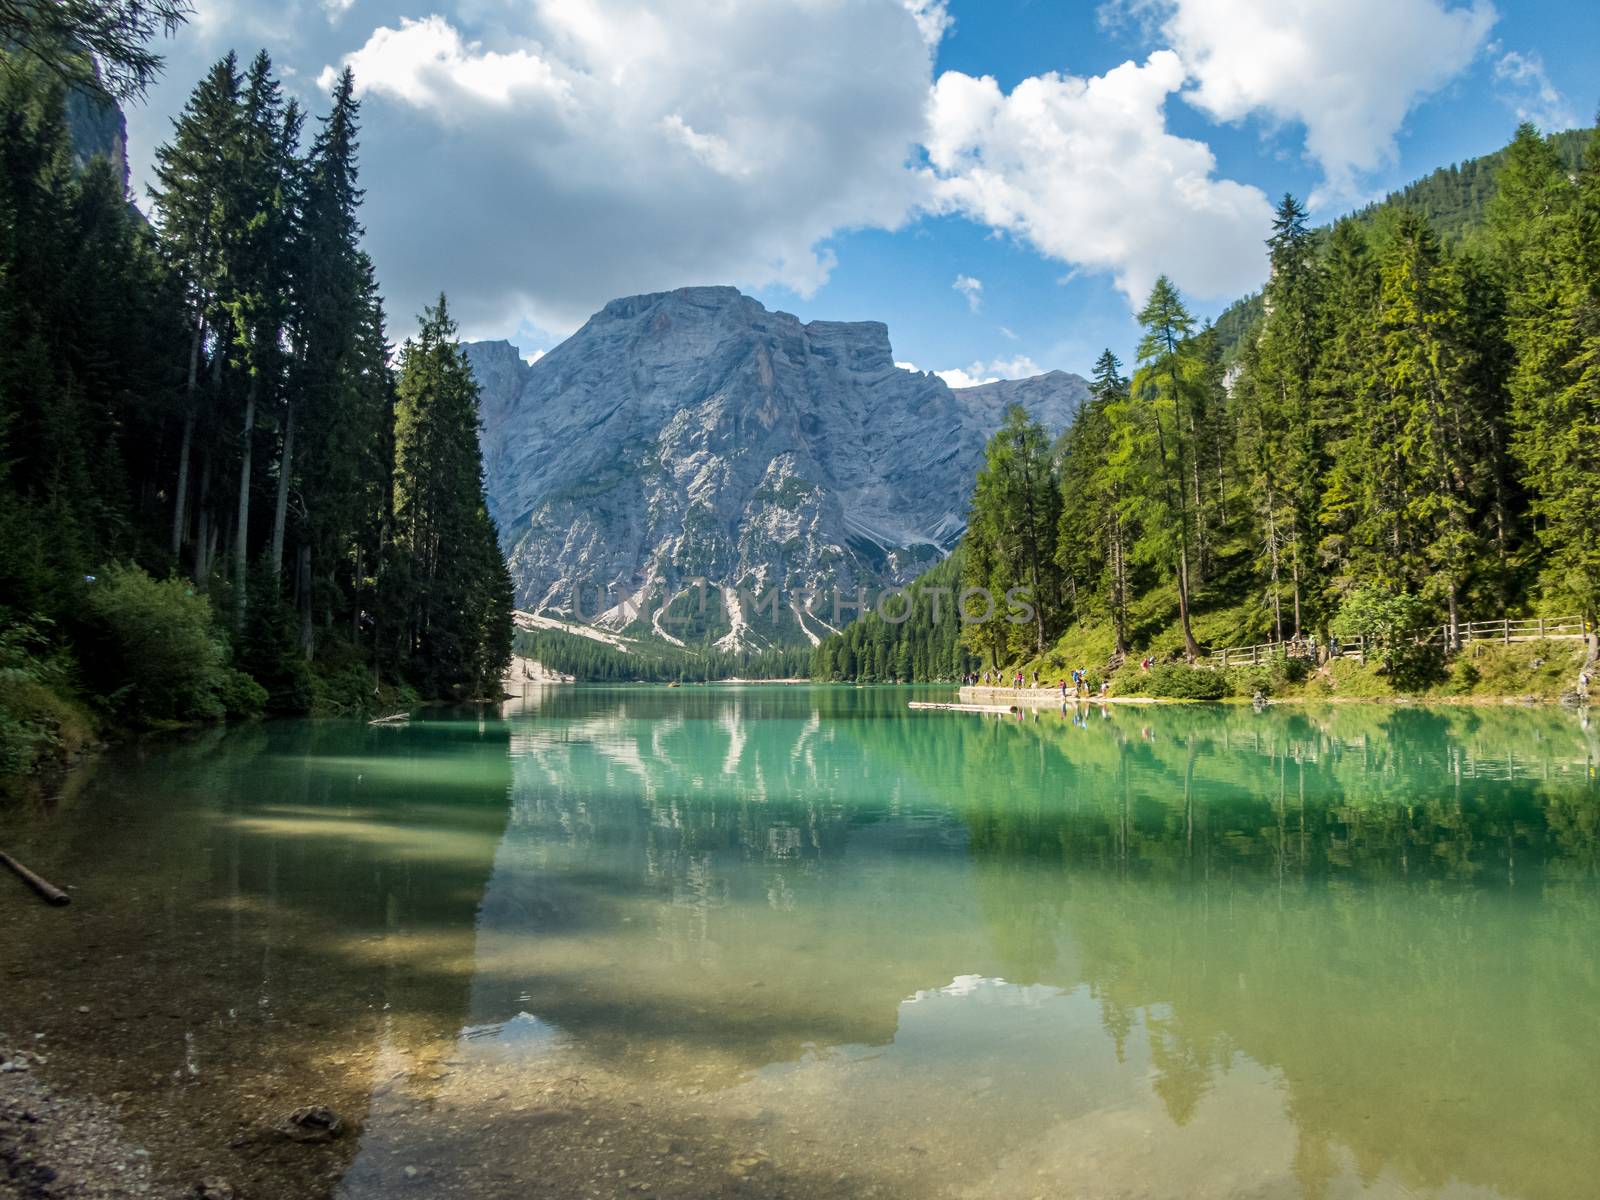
[456, 590]
[199, 218]
[1093, 538]
[1281, 437]
[1153, 430]
[1547, 232]
[258, 301]
[1011, 537]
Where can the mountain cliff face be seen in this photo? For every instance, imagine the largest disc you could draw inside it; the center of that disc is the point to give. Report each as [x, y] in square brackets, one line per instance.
[694, 436]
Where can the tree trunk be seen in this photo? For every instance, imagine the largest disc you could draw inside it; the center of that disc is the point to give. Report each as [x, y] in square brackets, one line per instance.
[1294, 571]
[1190, 647]
[281, 509]
[241, 535]
[181, 499]
[1272, 547]
[202, 565]
[308, 636]
[1119, 604]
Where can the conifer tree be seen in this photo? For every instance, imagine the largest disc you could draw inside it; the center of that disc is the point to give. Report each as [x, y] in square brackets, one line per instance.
[258, 302]
[1278, 420]
[457, 591]
[1151, 430]
[198, 215]
[1093, 539]
[1548, 238]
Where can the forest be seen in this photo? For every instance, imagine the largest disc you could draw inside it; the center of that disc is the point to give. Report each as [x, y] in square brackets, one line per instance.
[1408, 434]
[222, 490]
[591, 661]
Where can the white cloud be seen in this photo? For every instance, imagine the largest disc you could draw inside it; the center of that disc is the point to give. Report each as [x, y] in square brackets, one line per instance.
[979, 373]
[530, 359]
[1526, 88]
[1349, 72]
[971, 288]
[560, 153]
[932, 18]
[1085, 171]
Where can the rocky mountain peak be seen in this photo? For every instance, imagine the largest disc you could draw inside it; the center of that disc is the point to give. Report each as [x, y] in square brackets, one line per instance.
[694, 450]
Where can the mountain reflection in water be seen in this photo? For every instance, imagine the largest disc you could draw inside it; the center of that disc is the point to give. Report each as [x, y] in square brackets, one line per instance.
[1172, 951]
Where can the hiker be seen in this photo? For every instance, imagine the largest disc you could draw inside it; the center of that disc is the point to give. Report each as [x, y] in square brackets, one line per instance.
[1583, 684]
[1063, 685]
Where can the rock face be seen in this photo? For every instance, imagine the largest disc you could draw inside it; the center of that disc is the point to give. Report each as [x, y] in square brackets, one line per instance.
[694, 436]
[97, 128]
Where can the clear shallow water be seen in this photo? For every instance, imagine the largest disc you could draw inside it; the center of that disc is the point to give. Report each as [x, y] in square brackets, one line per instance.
[1177, 951]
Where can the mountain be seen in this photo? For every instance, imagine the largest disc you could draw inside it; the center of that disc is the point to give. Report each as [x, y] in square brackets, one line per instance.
[693, 434]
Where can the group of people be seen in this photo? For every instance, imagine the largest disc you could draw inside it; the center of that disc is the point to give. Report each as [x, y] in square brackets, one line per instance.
[1078, 683]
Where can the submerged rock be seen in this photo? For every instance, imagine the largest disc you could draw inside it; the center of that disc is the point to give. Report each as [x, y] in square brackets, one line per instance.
[314, 1123]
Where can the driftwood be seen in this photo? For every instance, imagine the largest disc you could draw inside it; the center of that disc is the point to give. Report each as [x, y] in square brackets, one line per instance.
[399, 718]
[48, 891]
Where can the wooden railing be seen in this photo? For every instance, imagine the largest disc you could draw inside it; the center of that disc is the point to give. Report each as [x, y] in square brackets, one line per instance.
[1505, 630]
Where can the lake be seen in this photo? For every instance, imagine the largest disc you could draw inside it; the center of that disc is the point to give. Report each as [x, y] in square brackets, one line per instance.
[790, 941]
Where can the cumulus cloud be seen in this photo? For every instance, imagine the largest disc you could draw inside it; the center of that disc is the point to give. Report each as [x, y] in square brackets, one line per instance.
[971, 288]
[980, 373]
[1348, 72]
[536, 158]
[932, 18]
[574, 151]
[1085, 171]
[1525, 87]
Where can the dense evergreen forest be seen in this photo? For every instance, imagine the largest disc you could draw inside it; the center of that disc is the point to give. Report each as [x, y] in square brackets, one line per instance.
[1411, 434]
[1454, 199]
[923, 645]
[591, 661]
[219, 490]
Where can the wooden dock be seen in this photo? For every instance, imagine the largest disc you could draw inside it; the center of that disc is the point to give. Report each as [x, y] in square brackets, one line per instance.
[1004, 699]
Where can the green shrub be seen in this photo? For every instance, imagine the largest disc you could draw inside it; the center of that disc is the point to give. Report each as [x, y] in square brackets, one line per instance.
[1248, 680]
[240, 695]
[150, 651]
[40, 722]
[1464, 676]
[269, 648]
[1174, 681]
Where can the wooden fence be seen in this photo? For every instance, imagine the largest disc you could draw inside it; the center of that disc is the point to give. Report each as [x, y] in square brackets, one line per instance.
[1505, 630]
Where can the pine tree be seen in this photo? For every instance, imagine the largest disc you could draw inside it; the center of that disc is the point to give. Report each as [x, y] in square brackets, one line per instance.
[1011, 536]
[1152, 430]
[1278, 418]
[1549, 240]
[198, 215]
[258, 300]
[458, 594]
[1093, 538]
[1425, 382]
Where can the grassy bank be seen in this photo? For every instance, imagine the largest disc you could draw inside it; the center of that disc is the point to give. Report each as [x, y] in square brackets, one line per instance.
[1228, 615]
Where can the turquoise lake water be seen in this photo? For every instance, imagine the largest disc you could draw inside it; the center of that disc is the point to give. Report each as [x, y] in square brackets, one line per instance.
[1167, 951]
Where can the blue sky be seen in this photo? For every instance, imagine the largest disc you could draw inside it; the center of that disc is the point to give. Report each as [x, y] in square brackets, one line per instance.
[860, 159]
[905, 278]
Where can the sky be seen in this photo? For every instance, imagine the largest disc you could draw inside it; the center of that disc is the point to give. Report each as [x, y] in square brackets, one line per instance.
[998, 181]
